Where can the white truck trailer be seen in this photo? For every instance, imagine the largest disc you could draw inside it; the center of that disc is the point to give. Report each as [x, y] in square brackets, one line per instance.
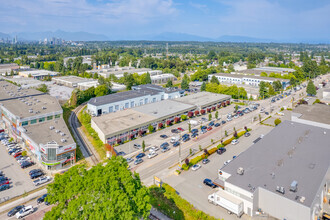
[227, 201]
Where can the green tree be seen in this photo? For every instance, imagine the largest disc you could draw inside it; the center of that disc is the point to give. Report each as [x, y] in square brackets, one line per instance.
[293, 81]
[277, 85]
[263, 74]
[271, 90]
[42, 88]
[216, 114]
[74, 98]
[215, 80]
[210, 117]
[311, 90]
[108, 191]
[236, 107]
[211, 55]
[189, 127]
[203, 87]
[277, 121]
[101, 90]
[185, 82]
[169, 84]
[143, 146]
[263, 92]
[150, 128]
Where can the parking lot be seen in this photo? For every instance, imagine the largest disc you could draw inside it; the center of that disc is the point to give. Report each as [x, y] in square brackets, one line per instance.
[19, 178]
[190, 183]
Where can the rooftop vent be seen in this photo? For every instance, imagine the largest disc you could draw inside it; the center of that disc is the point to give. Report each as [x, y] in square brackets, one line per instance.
[57, 131]
[280, 189]
[302, 199]
[240, 171]
[63, 140]
[43, 107]
[62, 134]
[30, 111]
[51, 128]
[293, 186]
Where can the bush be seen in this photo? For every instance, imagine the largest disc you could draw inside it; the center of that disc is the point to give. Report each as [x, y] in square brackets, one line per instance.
[317, 101]
[277, 121]
[282, 109]
[24, 153]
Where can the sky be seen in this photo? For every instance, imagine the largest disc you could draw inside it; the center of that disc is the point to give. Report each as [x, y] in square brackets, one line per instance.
[126, 19]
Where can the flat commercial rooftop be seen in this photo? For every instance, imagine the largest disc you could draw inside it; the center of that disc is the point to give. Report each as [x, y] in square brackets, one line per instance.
[317, 112]
[72, 79]
[275, 69]
[121, 120]
[36, 72]
[241, 76]
[202, 98]
[291, 151]
[41, 133]
[10, 91]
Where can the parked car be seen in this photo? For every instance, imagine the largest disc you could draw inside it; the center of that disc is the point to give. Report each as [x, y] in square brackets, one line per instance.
[195, 130]
[175, 131]
[223, 122]
[203, 131]
[36, 175]
[194, 135]
[217, 125]
[137, 146]
[209, 128]
[165, 149]
[203, 127]
[4, 182]
[267, 113]
[140, 155]
[26, 164]
[185, 136]
[152, 154]
[180, 129]
[175, 144]
[4, 187]
[229, 119]
[196, 167]
[41, 180]
[42, 198]
[25, 211]
[163, 136]
[3, 178]
[185, 139]
[138, 161]
[121, 153]
[163, 145]
[17, 154]
[221, 150]
[235, 141]
[129, 159]
[34, 171]
[211, 123]
[154, 148]
[15, 210]
[205, 161]
[209, 183]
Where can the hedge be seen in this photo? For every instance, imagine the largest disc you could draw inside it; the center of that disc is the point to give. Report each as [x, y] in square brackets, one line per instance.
[174, 206]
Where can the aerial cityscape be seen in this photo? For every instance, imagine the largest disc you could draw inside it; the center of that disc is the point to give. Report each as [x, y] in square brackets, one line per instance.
[165, 109]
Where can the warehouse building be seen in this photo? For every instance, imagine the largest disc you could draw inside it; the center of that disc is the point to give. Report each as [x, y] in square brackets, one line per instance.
[139, 95]
[268, 70]
[119, 71]
[162, 78]
[285, 175]
[250, 80]
[316, 115]
[35, 120]
[7, 68]
[120, 126]
[75, 82]
[36, 74]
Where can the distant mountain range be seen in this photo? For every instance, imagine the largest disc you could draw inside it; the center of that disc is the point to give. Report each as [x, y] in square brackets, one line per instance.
[166, 36]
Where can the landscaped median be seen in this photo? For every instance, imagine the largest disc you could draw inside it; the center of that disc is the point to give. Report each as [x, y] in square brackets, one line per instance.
[197, 159]
[167, 201]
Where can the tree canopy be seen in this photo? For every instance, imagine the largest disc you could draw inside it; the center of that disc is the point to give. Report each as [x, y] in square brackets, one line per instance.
[103, 192]
[311, 90]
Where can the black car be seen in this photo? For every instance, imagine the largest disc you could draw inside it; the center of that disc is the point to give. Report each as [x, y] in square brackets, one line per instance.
[209, 182]
[42, 198]
[195, 130]
[185, 139]
[175, 144]
[26, 164]
[267, 113]
[221, 150]
[204, 127]
[185, 136]
[36, 175]
[163, 145]
[163, 136]
[140, 155]
[223, 122]
[217, 125]
[211, 123]
[14, 210]
[175, 131]
[34, 171]
[194, 135]
[121, 153]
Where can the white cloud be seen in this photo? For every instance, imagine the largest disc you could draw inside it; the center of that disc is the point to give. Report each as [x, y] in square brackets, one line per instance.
[200, 7]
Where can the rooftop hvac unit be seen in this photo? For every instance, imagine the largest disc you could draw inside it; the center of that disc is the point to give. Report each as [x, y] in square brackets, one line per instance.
[43, 107]
[280, 189]
[240, 171]
[30, 111]
[63, 140]
[294, 186]
[302, 199]
[51, 127]
[57, 131]
[62, 134]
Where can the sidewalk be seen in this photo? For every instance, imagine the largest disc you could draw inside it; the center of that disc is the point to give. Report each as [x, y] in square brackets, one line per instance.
[8, 206]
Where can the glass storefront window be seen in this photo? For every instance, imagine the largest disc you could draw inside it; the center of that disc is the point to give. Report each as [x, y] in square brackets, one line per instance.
[49, 118]
[57, 116]
[51, 154]
[33, 121]
[24, 123]
[41, 119]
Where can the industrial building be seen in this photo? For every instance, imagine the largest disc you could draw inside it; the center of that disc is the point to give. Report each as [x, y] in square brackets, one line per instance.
[285, 174]
[75, 82]
[120, 126]
[119, 71]
[36, 74]
[246, 79]
[162, 78]
[7, 68]
[257, 71]
[35, 120]
[139, 95]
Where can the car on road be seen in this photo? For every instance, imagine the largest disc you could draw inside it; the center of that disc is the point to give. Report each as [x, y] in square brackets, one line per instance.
[194, 135]
[180, 129]
[154, 148]
[41, 180]
[137, 146]
[175, 131]
[152, 154]
[175, 144]
[15, 210]
[165, 149]
[221, 150]
[36, 175]
[130, 159]
[140, 155]
[209, 183]
[195, 130]
[164, 136]
[217, 125]
[27, 210]
[205, 161]
[163, 145]
[42, 198]
[121, 153]
[247, 134]
[235, 141]
[4, 187]
[226, 162]
[138, 161]
[196, 167]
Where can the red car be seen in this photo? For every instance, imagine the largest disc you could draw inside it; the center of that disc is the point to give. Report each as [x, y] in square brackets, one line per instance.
[181, 129]
[209, 128]
[17, 154]
[4, 182]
